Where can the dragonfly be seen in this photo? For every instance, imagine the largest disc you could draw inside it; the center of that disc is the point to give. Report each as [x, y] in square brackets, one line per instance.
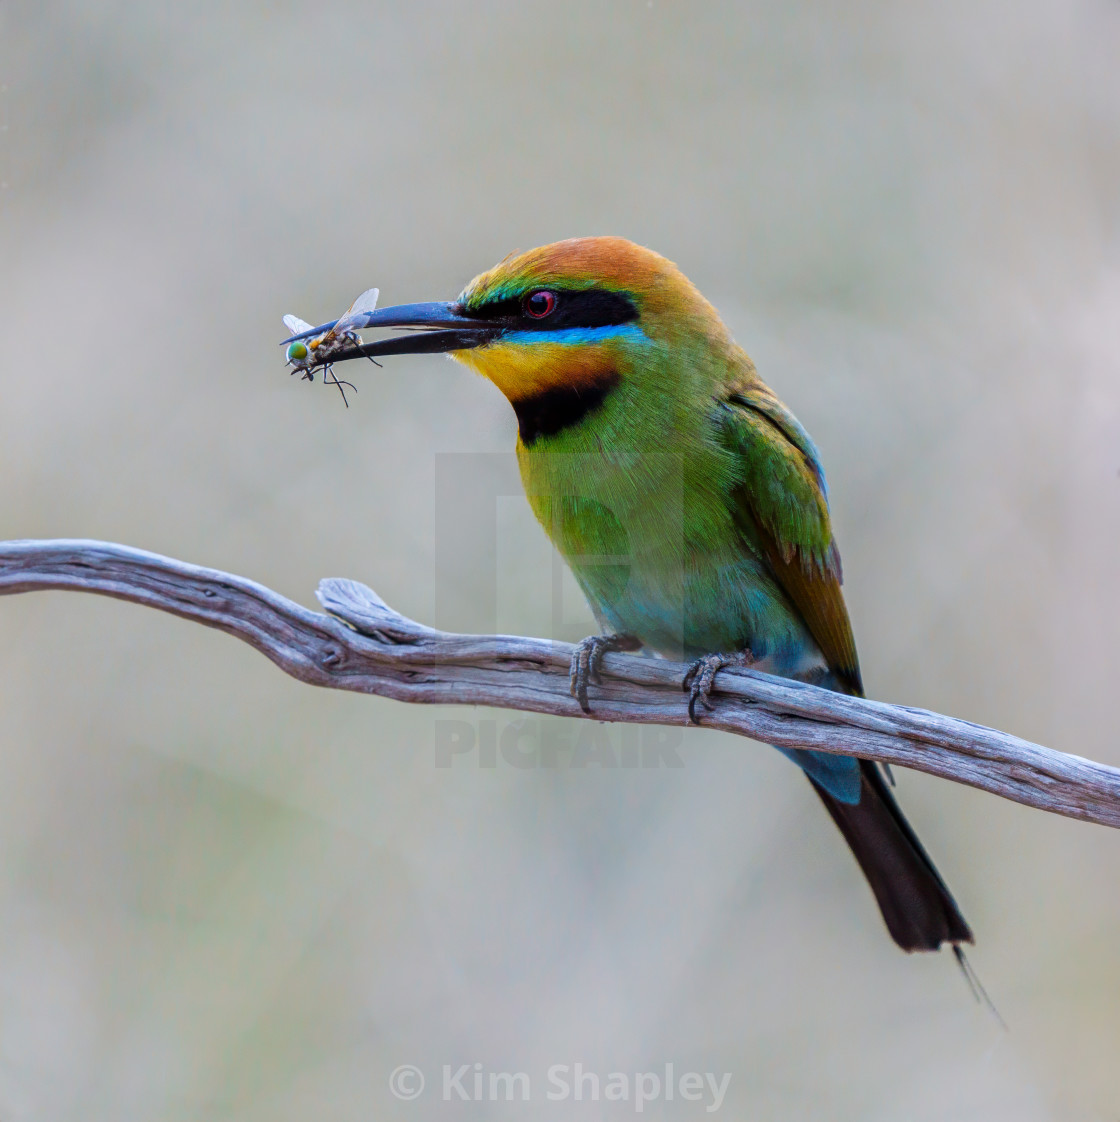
[304, 354]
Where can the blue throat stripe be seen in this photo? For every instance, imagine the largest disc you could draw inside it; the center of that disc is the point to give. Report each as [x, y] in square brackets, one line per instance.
[576, 336]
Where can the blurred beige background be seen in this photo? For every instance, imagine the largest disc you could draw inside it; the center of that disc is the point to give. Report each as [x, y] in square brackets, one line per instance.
[225, 895]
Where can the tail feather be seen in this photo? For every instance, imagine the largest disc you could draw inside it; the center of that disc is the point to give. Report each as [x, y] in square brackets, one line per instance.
[918, 908]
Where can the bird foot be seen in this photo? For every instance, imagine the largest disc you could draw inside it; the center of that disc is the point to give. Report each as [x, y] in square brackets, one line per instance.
[587, 660]
[701, 675]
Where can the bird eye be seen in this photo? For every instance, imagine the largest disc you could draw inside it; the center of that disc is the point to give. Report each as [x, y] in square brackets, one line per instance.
[540, 303]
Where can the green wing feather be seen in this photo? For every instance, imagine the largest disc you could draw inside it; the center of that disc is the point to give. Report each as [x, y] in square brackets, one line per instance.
[781, 508]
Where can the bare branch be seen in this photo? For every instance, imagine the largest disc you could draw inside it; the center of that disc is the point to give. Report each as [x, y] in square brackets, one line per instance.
[364, 645]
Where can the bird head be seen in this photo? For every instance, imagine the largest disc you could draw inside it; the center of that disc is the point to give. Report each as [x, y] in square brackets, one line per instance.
[566, 321]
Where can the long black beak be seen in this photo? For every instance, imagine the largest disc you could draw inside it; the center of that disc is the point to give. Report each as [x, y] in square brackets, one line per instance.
[435, 327]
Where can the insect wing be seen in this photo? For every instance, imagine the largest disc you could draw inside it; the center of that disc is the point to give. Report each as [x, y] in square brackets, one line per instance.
[295, 325]
[357, 313]
[354, 316]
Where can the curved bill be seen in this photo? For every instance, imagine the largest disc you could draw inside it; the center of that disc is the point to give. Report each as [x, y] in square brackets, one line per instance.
[436, 327]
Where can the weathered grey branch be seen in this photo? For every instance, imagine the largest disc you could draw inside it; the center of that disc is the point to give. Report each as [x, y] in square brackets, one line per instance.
[364, 645]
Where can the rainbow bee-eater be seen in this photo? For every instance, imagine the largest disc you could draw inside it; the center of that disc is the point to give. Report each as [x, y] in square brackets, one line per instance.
[688, 501]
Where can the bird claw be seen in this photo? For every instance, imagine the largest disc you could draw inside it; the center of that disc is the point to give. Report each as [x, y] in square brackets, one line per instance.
[587, 662]
[701, 675]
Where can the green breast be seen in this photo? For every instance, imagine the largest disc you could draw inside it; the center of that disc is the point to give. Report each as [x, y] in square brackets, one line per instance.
[635, 496]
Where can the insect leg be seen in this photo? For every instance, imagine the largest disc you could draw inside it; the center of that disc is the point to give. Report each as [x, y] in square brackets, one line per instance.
[336, 381]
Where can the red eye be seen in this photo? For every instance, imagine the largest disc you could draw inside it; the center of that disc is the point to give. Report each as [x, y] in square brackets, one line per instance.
[540, 303]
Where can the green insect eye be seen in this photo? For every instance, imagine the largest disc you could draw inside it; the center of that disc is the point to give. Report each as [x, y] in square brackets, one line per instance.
[297, 351]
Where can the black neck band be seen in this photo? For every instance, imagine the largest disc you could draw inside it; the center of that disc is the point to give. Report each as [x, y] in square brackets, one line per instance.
[552, 411]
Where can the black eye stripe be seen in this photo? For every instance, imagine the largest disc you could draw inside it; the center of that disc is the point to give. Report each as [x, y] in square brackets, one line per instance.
[590, 308]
